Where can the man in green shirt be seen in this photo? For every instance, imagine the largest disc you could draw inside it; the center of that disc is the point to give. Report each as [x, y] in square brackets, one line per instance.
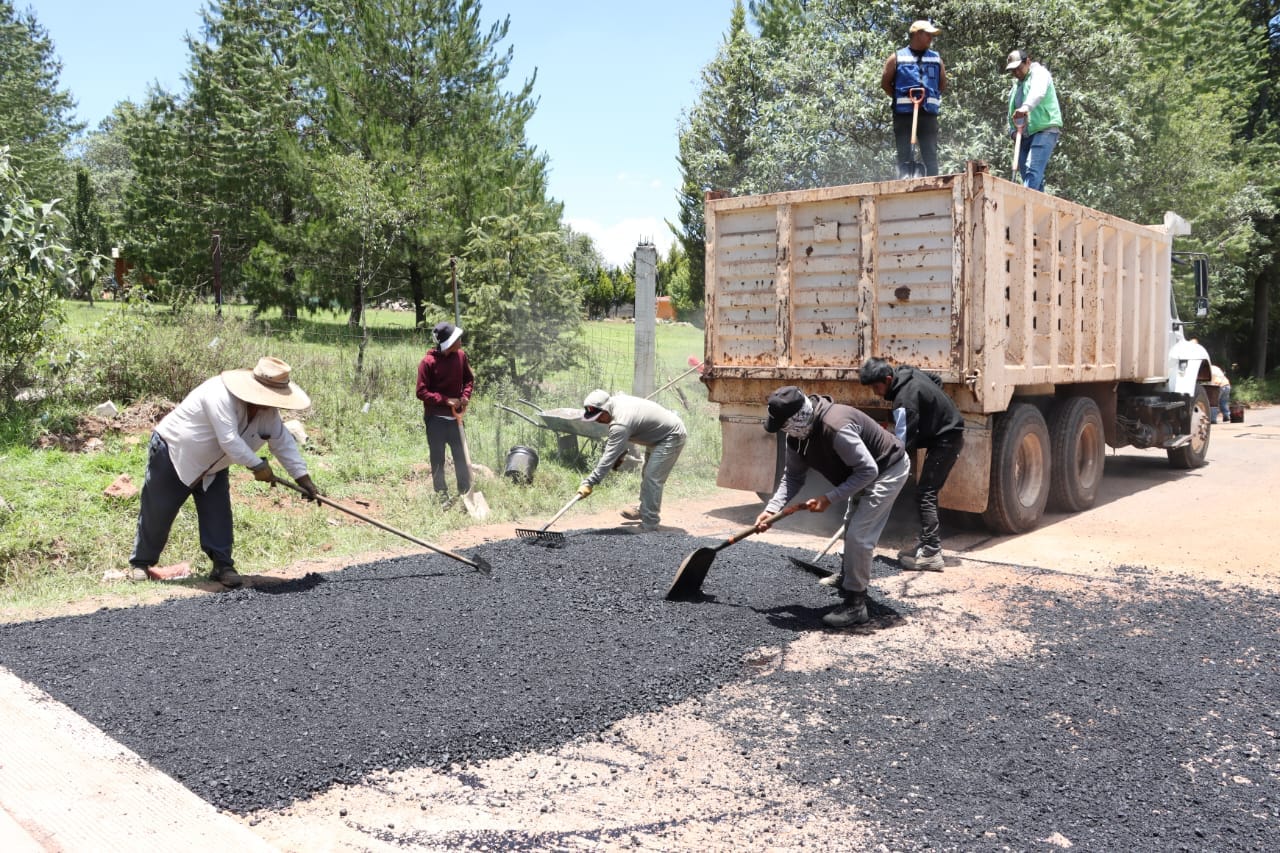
[1033, 108]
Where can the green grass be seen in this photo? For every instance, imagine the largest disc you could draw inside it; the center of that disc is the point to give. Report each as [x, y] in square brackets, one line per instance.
[59, 532]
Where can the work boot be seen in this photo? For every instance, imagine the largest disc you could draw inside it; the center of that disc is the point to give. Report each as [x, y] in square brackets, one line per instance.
[137, 573]
[853, 611]
[227, 576]
[631, 513]
[924, 559]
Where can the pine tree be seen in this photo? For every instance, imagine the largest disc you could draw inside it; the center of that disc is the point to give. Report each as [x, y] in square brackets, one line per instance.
[35, 115]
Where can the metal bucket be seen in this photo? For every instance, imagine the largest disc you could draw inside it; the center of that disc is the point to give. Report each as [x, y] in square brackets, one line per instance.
[521, 463]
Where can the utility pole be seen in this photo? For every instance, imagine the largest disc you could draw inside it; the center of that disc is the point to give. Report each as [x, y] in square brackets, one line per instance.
[646, 259]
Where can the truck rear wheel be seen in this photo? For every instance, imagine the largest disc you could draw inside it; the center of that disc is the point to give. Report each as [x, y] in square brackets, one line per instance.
[1020, 467]
[1194, 453]
[1077, 446]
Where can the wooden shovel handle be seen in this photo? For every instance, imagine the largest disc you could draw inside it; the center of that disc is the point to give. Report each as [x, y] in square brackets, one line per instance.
[743, 534]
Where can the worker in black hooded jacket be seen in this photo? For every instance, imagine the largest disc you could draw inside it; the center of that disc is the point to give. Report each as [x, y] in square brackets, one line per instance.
[924, 417]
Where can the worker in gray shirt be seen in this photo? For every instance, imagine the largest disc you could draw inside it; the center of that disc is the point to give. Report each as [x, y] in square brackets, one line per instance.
[855, 454]
[643, 422]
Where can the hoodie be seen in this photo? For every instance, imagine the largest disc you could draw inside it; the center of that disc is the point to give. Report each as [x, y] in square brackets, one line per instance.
[922, 412]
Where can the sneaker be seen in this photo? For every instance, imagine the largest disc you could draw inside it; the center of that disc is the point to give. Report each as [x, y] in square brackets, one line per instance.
[631, 513]
[227, 576]
[833, 579]
[137, 573]
[923, 560]
[852, 612]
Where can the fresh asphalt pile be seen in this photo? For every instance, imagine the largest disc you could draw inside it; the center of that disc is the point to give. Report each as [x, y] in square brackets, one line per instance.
[1144, 723]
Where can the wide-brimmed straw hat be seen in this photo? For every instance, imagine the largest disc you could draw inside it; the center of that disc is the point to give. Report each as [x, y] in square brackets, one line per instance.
[268, 384]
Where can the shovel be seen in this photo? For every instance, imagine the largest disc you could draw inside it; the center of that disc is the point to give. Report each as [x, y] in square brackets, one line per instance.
[543, 536]
[480, 564]
[693, 571]
[814, 567]
[916, 167]
[474, 501]
[1018, 124]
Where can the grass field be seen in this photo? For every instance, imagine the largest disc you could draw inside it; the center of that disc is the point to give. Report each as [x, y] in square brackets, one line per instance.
[59, 532]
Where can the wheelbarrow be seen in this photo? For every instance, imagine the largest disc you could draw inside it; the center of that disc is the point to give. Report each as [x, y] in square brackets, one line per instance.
[567, 424]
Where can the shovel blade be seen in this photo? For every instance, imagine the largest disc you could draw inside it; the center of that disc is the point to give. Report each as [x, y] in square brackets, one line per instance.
[689, 577]
[811, 568]
[477, 506]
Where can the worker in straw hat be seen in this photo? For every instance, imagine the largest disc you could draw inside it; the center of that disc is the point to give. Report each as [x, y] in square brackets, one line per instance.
[224, 421]
[643, 422]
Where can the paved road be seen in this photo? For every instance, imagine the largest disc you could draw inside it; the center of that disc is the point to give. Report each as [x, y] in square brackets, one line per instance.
[1216, 523]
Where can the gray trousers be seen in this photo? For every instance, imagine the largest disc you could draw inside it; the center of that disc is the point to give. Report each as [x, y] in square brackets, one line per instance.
[163, 494]
[657, 467]
[867, 523]
[442, 433]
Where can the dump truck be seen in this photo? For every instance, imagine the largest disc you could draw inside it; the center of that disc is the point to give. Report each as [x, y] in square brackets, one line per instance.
[1053, 327]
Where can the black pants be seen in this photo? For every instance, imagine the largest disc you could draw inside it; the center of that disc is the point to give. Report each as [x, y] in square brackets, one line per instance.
[939, 458]
[163, 494]
[443, 432]
[926, 135]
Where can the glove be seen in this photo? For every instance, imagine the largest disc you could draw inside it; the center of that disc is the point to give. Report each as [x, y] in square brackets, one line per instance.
[263, 473]
[306, 484]
[584, 490]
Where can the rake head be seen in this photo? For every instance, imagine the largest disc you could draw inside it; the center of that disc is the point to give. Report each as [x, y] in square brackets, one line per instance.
[549, 538]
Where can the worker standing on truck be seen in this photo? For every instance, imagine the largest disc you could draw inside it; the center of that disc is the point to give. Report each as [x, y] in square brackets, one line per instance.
[855, 454]
[1033, 109]
[919, 70]
[643, 422]
[923, 418]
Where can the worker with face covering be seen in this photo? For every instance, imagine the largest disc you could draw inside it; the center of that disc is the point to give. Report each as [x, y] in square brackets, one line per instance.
[854, 453]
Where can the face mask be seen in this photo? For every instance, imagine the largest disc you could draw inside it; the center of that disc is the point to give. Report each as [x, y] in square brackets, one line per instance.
[800, 424]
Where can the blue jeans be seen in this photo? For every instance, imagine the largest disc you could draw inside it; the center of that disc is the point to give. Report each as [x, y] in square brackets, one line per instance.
[1224, 406]
[1034, 155]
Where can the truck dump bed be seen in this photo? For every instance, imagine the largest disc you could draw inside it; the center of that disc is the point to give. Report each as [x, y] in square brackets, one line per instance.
[1001, 290]
[978, 279]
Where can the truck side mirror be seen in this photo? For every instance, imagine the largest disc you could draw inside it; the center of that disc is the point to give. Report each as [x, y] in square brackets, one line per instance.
[1201, 267]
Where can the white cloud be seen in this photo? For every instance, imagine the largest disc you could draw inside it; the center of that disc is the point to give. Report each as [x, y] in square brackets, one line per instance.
[617, 241]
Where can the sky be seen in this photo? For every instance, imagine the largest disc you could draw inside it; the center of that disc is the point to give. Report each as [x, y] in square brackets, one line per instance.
[613, 79]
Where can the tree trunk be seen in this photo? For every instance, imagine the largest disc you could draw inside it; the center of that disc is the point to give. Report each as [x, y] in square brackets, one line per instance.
[357, 301]
[415, 292]
[1261, 315]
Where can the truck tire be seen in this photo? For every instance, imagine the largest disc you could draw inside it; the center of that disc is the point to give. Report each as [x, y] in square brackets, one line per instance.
[1020, 466]
[1078, 449]
[1194, 453]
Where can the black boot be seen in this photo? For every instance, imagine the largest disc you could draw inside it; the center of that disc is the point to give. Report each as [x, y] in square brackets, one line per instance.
[227, 576]
[853, 611]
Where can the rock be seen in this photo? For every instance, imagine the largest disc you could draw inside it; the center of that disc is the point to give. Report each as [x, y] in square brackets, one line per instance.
[123, 487]
[294, 426]
[106, 410]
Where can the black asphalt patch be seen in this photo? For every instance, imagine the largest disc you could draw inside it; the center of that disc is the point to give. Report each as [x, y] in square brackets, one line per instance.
[1145, 723]
[257, 697]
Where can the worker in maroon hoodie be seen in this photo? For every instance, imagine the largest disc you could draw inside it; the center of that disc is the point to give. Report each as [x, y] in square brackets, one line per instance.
[444, 387]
